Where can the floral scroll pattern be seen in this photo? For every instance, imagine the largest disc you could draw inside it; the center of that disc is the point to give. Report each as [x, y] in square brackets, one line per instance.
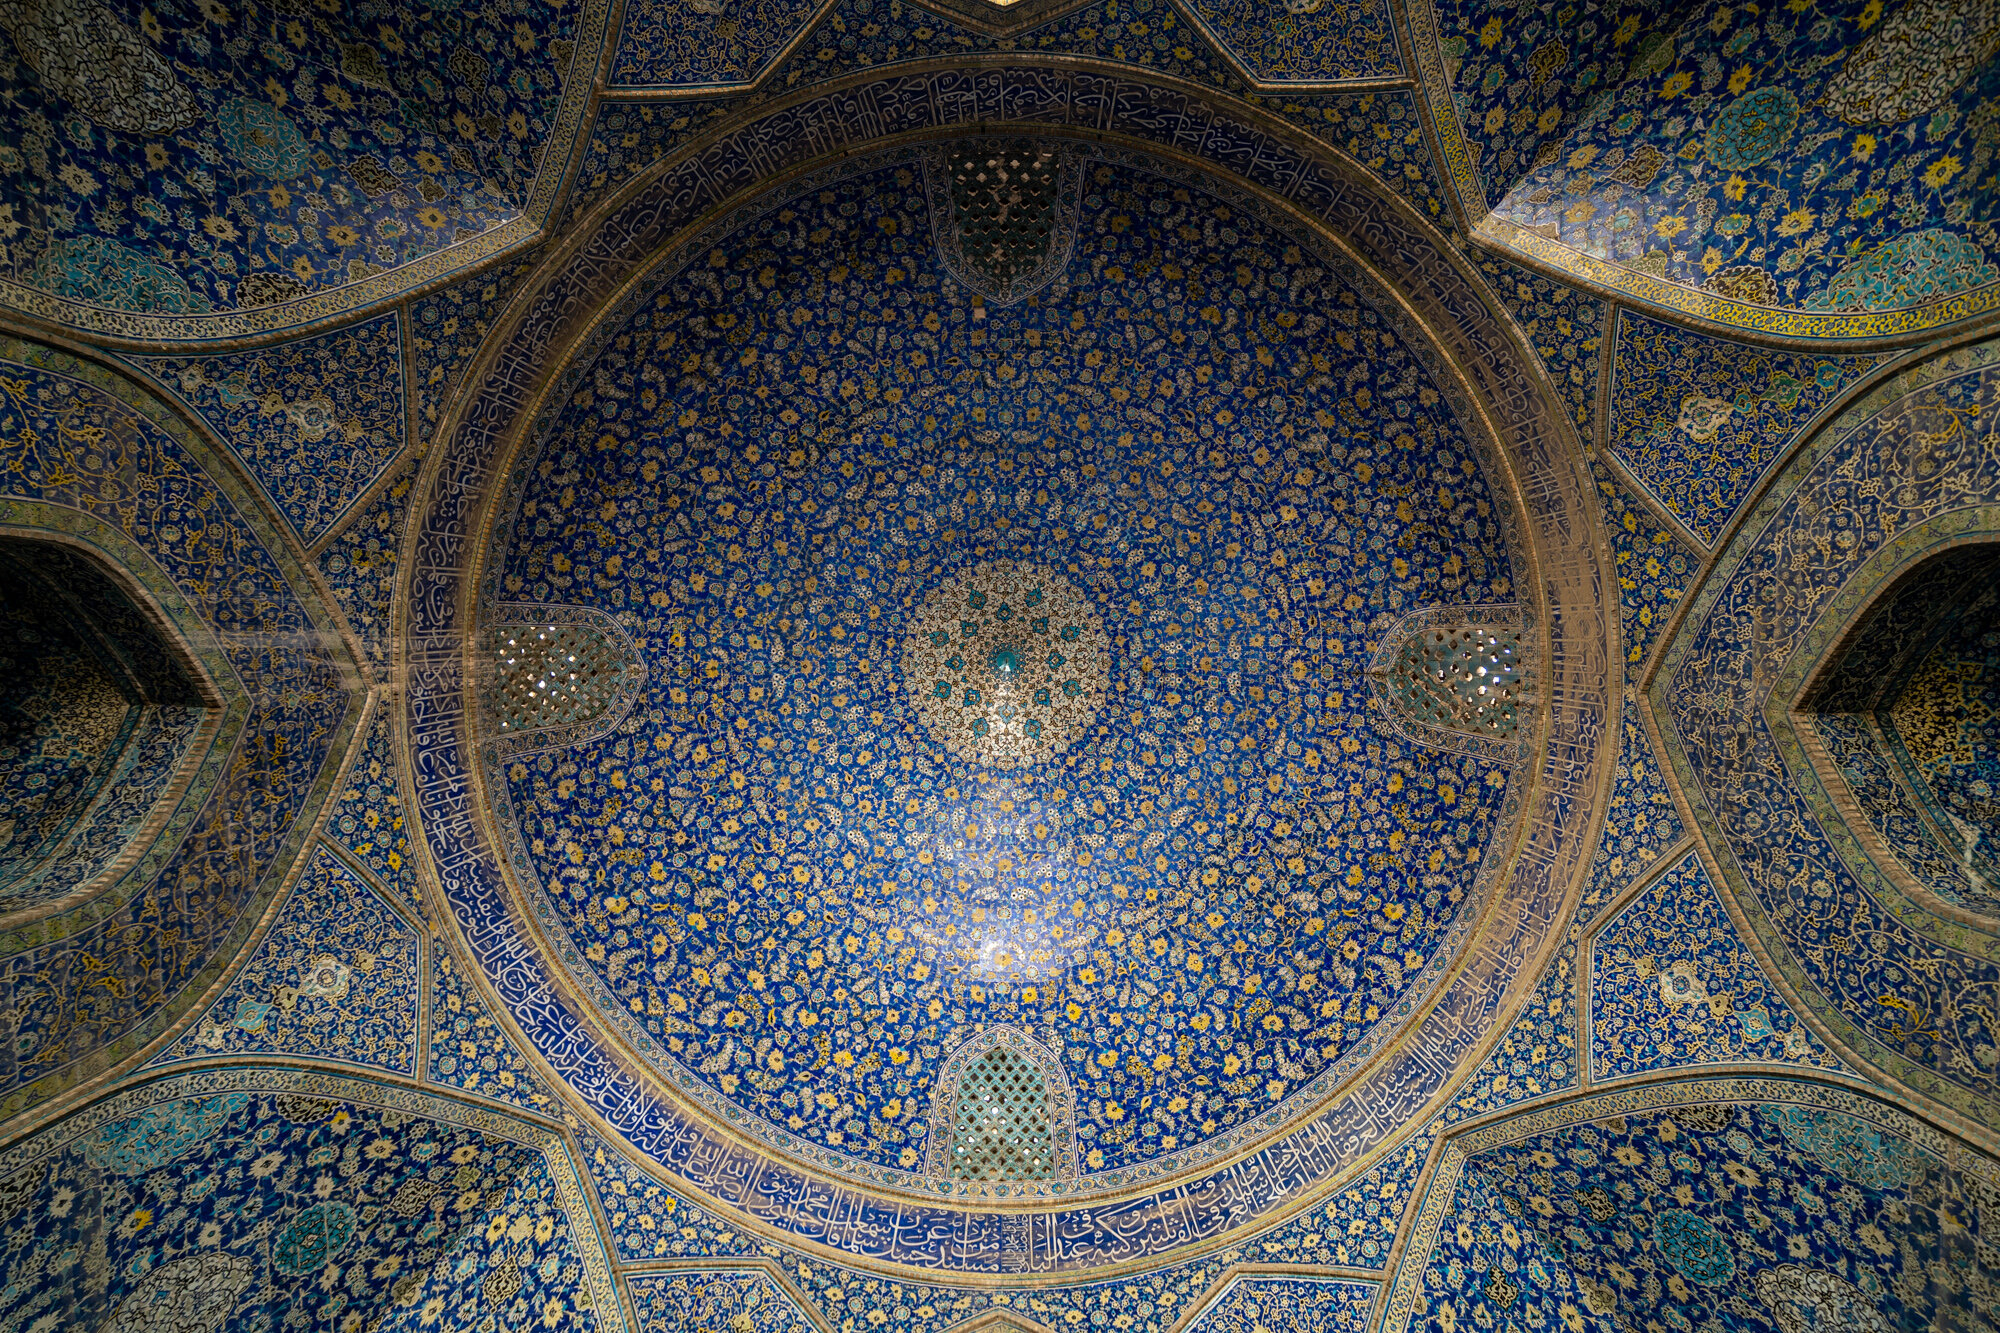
[315, 420]
[741, 1300]
[368, 818]
[1288, 1305]
[1717, 167]
[336, 977]
[1699, 420]
[267, 1207]
[1773, 1211]
[79, 437]
[469, 1049]
[1918, 449]
[1672, 986]
[359, 563]
[267, 156]
[836, 1034]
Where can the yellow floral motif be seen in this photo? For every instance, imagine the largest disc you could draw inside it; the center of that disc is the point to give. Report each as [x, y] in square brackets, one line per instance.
[1228, 824]
[1796, 222]
[1941, 171]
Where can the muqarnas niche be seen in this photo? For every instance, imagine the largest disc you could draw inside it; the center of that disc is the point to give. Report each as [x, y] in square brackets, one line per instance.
[98, 710]
[1909, 715]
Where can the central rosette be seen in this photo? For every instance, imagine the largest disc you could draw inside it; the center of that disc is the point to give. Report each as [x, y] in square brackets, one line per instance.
[1006, 664]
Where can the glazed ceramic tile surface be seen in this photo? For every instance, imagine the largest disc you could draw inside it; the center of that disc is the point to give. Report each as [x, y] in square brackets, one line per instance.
[269, 1199]
[1869, 495]
[1076, 760]
[334, 978]
[90, 456]
[219, 169]
[1814, 174]
[1783, 1212]
[1698, 420]
[1176, 859]
[1672, 986]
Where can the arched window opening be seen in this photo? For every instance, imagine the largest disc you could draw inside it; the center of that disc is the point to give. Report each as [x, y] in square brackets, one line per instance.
[97, 707]
[1908, 710]
[1001, 1128]
[556, 675]
[1459, 678]
[1465, 678]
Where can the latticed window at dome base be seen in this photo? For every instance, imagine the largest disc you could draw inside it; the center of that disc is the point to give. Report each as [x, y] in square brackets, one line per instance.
[1465, 679]
[1004, 195]
[1000, 1126]
[554, 675]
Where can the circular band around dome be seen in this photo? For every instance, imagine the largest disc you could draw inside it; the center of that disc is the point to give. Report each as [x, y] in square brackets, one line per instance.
[649, 1123]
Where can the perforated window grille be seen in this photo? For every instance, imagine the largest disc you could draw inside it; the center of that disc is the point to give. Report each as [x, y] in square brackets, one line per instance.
[1005, 197]
[1465, 679]
[553, 675]
[1000, 1127]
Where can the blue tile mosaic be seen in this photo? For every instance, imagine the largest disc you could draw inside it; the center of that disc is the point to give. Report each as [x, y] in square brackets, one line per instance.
[1565, 327]
[661, 841]
[334, 978]
[315, 421]
[1787, 1215]
[1357, 1226]
[1312, 41]
[1508, 82]
[1538, 1054]
[1640, 822]
[359, 564]
[1380, 129]
[1822, 162]
[140, 773]
[446, 328]
[1698, 420]
[265, 1200]
[97, 983]
[1492, 1270]
[1383, 131]
[1895, 474]
[65, 721]
[1288, 1304]
[1652, 565]
[1884, 800]
[1672, 986]
[368, 815]
[625, 139]
[690, 44]
[847, 1220]
[239, 156]
[97, 715]
[733, 1298]
[1944, 725]
[469, 1050]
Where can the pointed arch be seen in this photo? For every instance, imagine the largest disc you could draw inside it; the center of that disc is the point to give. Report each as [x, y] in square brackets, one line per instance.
[1002, 1111]
[1460, 678]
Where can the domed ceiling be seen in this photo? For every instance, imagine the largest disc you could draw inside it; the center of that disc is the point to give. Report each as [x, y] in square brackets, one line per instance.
[952, 666]
[1005, 664]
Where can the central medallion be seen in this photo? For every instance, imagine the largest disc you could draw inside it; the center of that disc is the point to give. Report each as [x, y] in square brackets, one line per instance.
[1006, 664]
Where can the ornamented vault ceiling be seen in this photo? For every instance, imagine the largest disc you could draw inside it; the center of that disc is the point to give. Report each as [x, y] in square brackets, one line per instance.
[1040, 696]
[1142, 664]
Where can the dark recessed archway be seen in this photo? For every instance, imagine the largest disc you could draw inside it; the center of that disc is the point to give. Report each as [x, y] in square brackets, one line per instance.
[1909, 712]
[98, 706]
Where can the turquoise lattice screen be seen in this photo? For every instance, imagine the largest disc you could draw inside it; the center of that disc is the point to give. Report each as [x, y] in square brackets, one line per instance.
[1000, 1125]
